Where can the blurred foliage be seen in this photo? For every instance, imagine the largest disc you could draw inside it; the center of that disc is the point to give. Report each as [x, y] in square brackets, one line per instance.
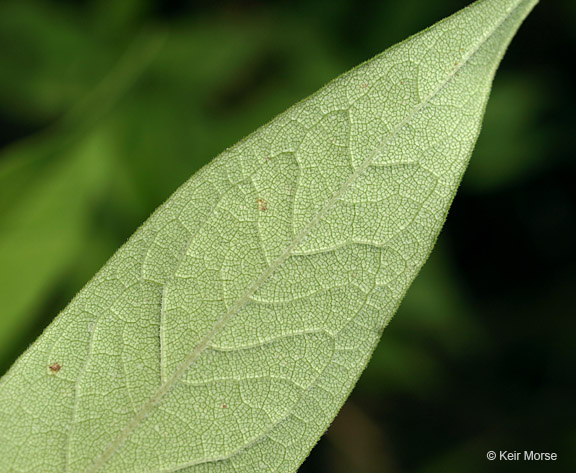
[106, 107]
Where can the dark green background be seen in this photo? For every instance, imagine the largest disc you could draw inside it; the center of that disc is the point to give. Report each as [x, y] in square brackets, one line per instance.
[107, 106]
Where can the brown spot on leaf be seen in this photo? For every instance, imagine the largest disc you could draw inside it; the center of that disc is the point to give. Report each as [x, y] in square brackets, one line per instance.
[54, 368]
[364, 85]
[224, 406]
[262, 205]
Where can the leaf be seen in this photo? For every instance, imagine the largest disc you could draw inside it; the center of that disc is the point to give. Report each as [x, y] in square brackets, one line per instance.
[228, 331]
[38, 240]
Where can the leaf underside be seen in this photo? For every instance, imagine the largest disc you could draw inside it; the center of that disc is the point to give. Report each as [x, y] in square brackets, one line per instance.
[225, 335]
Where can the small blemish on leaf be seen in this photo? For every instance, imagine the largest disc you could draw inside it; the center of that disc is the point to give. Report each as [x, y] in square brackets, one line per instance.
[364, 85]
[262, 205]
[54, 368]
[224, 406]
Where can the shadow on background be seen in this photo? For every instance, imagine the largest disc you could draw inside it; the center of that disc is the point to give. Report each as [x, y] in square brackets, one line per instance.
[106, 107]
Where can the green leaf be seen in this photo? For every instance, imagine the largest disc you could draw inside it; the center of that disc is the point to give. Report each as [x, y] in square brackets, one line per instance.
[42, 229]
[229, 330]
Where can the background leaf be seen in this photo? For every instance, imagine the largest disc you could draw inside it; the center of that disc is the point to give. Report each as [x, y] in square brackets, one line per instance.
[42, 231]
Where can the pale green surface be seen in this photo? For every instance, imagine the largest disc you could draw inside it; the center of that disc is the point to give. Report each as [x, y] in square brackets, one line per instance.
[224, 337]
